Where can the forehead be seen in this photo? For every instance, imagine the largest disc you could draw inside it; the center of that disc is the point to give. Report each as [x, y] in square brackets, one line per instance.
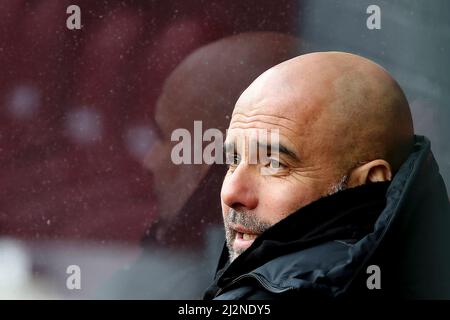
[287, 102]
[267, 125]
[284, 95]
[289, 111]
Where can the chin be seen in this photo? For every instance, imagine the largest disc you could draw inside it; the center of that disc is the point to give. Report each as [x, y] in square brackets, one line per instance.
[233, 256]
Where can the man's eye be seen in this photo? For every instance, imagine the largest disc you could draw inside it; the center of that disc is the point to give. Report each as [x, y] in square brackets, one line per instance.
[236, 159]
[275, 164]
[233, 159]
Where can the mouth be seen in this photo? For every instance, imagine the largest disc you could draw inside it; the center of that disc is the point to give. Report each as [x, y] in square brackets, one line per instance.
[243, 238]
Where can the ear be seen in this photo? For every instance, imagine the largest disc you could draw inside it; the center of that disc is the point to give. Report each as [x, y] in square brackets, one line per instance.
[374, 171]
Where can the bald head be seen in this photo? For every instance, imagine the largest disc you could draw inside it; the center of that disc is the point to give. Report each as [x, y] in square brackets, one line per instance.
[342, 122]
[338, 105]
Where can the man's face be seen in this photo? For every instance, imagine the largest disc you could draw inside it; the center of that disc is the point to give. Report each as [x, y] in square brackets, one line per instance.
[302, 170]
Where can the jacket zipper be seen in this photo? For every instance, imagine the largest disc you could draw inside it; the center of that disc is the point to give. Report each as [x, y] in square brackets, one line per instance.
[260, 280]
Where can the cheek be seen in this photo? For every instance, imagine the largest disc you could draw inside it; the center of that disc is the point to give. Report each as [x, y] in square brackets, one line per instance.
[280, 200]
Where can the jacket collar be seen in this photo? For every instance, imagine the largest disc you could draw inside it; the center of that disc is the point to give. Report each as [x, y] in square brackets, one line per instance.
[349, 214]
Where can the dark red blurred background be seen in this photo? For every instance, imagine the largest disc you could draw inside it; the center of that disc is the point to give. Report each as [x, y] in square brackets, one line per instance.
[77, 106]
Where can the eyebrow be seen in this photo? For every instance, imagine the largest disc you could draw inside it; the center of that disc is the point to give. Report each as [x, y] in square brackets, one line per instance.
[281, 149]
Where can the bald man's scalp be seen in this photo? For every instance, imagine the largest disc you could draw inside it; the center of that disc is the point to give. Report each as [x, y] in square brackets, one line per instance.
[346, 106]
[374, 110]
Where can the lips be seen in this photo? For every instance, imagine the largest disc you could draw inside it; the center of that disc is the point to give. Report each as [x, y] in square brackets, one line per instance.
[243, 238]
[247, 237]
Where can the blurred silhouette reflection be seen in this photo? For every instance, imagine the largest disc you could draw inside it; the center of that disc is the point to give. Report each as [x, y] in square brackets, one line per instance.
[181, 246]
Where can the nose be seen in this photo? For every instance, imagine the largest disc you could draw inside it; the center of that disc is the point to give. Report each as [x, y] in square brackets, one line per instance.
[239, 188]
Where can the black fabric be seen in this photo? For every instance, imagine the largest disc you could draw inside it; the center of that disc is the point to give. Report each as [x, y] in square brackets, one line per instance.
[323, 249]
[330, 218]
